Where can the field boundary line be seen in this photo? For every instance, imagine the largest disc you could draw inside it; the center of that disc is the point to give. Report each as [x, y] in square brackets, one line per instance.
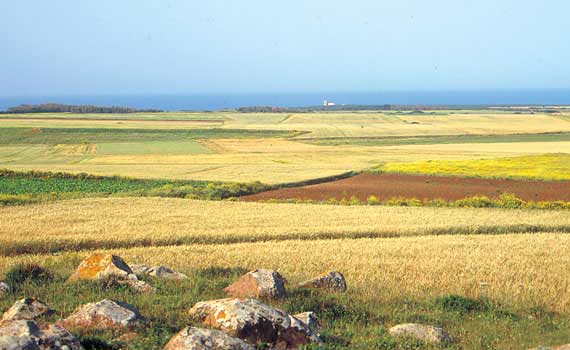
[9, 249]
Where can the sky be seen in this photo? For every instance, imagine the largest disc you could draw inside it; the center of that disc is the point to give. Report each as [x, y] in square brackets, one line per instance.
[249, 46]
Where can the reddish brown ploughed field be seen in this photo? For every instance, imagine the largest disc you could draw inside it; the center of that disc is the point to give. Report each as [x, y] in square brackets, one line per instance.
[387, 186]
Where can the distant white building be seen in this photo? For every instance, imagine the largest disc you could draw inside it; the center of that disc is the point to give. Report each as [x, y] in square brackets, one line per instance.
[327, 103]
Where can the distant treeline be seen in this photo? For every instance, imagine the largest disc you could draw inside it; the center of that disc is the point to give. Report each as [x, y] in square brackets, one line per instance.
[61, 108]
[391, 107]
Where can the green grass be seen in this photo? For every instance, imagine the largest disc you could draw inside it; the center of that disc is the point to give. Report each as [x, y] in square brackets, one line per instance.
[17, 188]
[347, 322]
[16, 183]
[15, 136]
[152, 147]
[433, 140]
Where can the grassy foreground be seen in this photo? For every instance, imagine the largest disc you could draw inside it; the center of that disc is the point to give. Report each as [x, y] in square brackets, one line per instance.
[511, 289]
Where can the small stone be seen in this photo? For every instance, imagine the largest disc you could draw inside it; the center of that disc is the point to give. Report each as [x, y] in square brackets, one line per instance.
[157, 272]
[26, 309]
[138, 286]
[127, 338]
[98, 266]
[105, 314]
[310, 319]
[332, 280]
[258, 283]
[4, 289]
[425, 333]
[192, 338]
[254, 322]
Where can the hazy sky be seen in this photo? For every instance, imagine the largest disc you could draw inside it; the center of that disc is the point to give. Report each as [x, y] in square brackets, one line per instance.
[193, 46]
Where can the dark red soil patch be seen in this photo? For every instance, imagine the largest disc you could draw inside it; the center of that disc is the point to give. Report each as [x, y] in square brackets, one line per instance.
[387, 186]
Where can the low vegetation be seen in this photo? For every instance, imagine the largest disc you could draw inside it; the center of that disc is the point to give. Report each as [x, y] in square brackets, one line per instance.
[18, 188]
[505, 200]
[438, 139]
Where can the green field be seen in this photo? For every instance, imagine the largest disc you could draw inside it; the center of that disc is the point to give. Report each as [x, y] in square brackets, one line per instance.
[150, 147]
[54, 136]
[434, 140]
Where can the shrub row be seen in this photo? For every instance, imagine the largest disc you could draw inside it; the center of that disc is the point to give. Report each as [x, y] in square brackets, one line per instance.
[17, 188]
[505, 200]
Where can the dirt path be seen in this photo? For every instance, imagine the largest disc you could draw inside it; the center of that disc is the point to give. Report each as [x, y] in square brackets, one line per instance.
[388, 186]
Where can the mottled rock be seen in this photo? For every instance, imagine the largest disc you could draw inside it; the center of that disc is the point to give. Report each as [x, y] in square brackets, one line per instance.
[98, 266]
[27, 334]
[18, 343]
[157, 272]
[254, 322]
[332, 280]
[19, 328]
[54, 337]
[258, 284]
[310, 319]
[105, 314]
[107, 267]
[4, 289]
[26, 309]
[192, 338]
[425, 333]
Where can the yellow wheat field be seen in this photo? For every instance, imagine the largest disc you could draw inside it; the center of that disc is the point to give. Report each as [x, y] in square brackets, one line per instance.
[120, 222]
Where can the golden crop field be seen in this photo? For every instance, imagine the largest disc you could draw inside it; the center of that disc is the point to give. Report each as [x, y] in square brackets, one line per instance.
[269, 160]
[518, 269]
[102, 222]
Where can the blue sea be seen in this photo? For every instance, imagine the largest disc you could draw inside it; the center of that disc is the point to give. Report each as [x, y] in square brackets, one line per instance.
[202, 102]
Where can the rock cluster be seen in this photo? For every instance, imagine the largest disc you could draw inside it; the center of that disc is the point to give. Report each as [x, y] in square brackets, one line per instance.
[241, 322]
[254, 322]
[20, 331]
